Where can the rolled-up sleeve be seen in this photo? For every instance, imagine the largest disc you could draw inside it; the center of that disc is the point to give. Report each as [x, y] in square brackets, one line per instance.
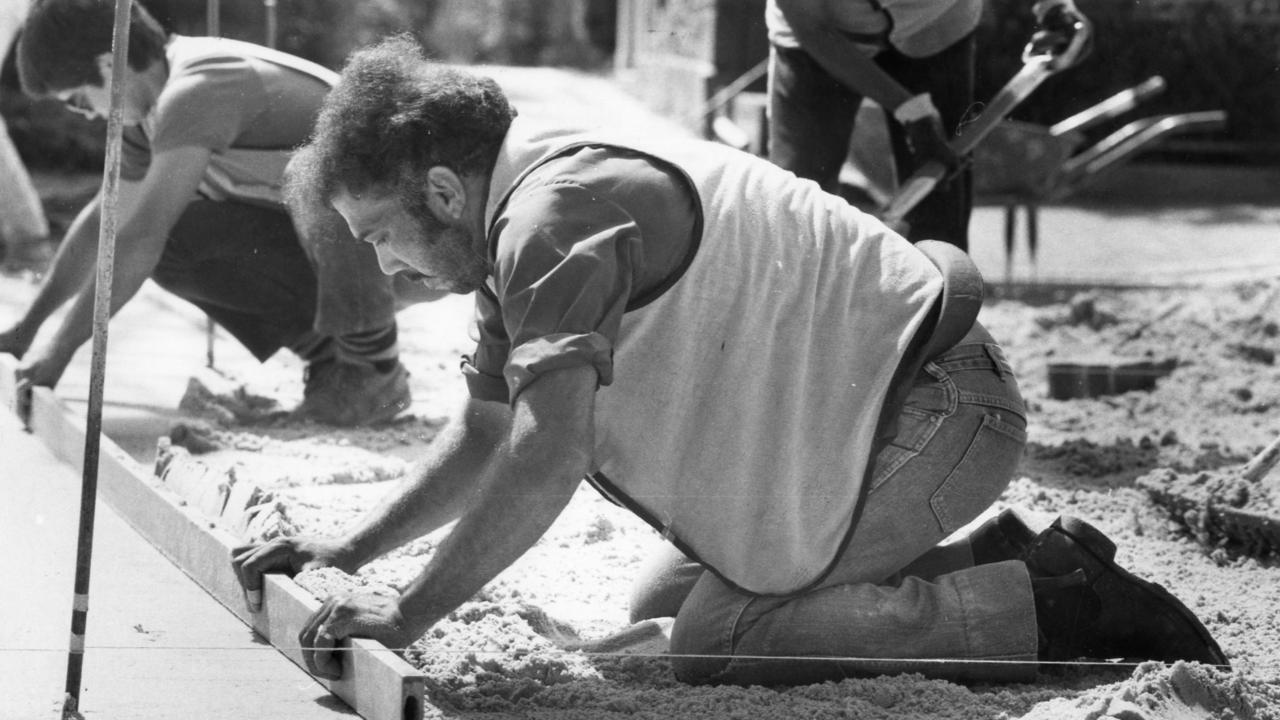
[565, 264]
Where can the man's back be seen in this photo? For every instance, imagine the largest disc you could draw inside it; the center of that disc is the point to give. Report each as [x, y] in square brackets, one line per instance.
[783, 329]
[249, 104]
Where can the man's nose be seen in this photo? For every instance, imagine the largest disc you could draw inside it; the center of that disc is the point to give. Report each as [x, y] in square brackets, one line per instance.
[388, 261]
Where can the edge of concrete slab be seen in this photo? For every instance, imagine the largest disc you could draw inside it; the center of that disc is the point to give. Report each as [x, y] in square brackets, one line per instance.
[376, 683]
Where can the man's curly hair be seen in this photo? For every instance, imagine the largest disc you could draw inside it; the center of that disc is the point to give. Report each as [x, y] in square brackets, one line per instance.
[393, 115]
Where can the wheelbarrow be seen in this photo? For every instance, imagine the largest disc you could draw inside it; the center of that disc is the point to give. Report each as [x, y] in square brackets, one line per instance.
[1024, 165]
[1064, 37]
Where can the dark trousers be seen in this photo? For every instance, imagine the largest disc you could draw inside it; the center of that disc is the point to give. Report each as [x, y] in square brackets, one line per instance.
[249, 269]
[244, 267]
[812, 118]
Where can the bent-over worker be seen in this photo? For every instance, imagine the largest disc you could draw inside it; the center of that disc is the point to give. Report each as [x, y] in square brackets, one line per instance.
[795, 396]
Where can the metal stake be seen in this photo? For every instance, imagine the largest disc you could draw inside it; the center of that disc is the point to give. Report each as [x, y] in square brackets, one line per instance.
[273, 24]
[213, 28]
[213, 18]
[97, 368]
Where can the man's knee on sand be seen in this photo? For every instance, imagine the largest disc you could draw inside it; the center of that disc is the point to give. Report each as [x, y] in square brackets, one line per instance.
[696, 656]
[708, 628]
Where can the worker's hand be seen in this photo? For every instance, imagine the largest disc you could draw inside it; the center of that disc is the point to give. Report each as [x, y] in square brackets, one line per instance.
[1063, 32]
[288, 555]
[42, 368]
[365, 615]
[925, 135]
[16, 340]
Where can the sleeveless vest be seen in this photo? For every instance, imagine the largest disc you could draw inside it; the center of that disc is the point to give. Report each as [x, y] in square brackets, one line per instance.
[743, 409]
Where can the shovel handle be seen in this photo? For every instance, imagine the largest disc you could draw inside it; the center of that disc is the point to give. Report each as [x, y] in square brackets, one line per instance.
[1065, 36]
[1261, 464]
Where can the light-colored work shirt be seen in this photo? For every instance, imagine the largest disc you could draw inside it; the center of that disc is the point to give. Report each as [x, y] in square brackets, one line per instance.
[251, 105]
[917, 28]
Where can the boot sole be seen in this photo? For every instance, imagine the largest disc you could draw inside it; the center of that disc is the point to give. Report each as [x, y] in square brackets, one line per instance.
[1103, 550]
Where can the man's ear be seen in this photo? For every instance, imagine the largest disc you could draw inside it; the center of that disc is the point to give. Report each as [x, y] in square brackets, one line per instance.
[446, 193]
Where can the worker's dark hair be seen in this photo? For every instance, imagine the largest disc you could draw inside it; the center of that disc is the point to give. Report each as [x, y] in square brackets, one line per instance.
[62, 39]
[393, 115]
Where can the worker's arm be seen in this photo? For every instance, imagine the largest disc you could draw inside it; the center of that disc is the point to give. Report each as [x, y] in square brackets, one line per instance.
[433, 495]
[149, 210]
[839, 55]
[848, 63]
[523, 488]
[70, 269]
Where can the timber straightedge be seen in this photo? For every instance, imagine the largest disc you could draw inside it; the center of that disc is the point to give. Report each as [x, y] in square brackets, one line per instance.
[376, 683]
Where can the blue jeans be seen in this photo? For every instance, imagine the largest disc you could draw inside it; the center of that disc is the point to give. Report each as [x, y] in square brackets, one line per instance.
[247, 268]
[811, 119]
[894, 594]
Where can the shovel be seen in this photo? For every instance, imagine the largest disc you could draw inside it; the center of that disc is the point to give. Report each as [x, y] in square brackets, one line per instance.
[1064, 40]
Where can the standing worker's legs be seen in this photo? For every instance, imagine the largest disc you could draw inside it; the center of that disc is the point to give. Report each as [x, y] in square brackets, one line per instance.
[959, 439]
[811, 116]
[948, 78]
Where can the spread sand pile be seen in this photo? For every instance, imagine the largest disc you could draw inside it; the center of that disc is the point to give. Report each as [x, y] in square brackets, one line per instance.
[510, 652]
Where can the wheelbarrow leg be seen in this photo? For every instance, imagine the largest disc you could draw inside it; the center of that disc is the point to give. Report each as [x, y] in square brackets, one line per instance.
[1033, 235]
[1010, 232]
[210, 333]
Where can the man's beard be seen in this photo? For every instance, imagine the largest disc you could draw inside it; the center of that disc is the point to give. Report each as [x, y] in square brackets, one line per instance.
[471, 265]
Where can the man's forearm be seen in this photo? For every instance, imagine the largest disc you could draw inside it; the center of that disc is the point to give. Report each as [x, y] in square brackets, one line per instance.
[131, 269]
[848, 64]
[517, 505]
[438, 488]
[71, 268]
[525, 486]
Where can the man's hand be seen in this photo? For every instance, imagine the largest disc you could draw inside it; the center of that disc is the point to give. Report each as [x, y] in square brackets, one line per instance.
[365, 615]
[16, 340]
[43, 368]
[925, 135]
[1063, 33]
[290, 556]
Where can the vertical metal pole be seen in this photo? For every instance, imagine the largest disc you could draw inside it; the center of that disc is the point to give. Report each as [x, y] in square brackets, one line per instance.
[210, 334]
[272, 22]
[97, 367]
[213, 18]
[213, 28]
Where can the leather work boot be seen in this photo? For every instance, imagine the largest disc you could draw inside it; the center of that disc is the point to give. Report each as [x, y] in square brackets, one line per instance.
[350, 394]
[1087, 606]
[1004, 537]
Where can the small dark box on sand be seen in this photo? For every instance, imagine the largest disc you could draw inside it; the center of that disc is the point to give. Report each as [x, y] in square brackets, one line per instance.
[1104, 375]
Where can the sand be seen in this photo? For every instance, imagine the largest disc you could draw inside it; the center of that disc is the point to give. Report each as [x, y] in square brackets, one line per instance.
[510, 651]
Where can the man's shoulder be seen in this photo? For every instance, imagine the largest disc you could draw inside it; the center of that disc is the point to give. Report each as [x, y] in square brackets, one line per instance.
[189, 55]
[184, 52]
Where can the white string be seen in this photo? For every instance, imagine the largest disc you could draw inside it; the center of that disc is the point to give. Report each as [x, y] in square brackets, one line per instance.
[1251, 666]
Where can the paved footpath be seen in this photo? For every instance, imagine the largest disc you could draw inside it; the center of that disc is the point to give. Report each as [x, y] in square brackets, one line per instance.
[1133, 246]
[158, 645]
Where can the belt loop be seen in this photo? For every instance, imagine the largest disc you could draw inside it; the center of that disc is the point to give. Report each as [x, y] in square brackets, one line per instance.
[997, 364]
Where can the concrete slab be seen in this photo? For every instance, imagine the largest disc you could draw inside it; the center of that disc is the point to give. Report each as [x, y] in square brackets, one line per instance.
[157, 645]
